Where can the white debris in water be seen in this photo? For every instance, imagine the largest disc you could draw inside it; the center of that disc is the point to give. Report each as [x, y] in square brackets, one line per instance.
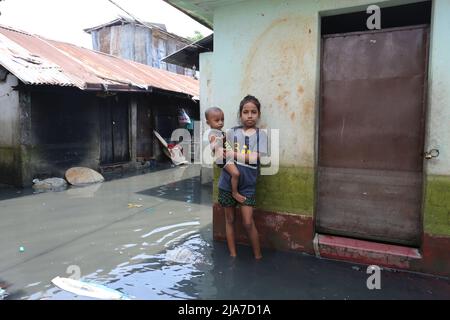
[33, 284]
[3, 294]
[129, 245]
[51, 184]
[182, 255]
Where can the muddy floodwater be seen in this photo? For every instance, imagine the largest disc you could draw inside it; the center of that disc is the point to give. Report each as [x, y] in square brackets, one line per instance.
[149, 236]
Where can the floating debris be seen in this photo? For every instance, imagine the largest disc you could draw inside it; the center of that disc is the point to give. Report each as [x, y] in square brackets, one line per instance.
[3, 294]
[91, 290]
[132, 205]
[50, 184]
[182, 255]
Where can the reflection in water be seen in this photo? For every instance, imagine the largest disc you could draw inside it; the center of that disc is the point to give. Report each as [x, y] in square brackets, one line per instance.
[84, 191]
[165, 251]
[166, 275]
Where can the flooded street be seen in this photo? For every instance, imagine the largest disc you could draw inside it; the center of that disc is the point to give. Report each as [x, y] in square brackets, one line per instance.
[149, 237]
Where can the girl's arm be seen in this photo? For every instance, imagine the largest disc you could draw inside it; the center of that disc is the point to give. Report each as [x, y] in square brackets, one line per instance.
[253, 157]
[243, 158]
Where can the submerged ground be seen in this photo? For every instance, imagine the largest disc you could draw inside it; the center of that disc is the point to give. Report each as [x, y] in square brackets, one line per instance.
[149, 236]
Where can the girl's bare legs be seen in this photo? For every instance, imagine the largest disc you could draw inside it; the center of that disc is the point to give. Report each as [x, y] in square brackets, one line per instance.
[234, 173]
[229, 229]
[249, 224]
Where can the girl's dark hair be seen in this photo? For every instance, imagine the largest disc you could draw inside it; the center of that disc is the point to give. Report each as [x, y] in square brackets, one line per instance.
[251, 99]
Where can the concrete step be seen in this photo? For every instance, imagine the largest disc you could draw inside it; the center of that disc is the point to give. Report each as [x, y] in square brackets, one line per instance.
[365, 252]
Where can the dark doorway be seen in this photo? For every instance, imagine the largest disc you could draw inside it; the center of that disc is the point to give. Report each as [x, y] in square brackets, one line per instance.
[145, 127]
[114, 142]
[371, 134]
[390, 17]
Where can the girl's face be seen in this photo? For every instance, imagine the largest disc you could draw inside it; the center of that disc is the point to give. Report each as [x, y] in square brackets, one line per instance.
[249, 115]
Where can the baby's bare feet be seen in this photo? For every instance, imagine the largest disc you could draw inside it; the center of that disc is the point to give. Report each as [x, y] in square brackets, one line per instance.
[239, 197]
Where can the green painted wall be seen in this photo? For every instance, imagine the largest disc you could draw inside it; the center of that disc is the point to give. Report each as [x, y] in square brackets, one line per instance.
[291, 190]
[10, 165]
[437, 206]
[9, 131]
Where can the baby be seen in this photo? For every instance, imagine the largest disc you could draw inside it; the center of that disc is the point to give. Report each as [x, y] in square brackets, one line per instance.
[217, 139]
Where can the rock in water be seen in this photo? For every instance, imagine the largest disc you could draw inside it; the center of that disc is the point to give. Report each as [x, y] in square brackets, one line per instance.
[79, 176]
[50, 184]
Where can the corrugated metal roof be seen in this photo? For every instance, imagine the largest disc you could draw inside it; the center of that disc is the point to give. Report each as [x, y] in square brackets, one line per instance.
[189, 55]
[39, 61]
[151, 25]
[125, 20]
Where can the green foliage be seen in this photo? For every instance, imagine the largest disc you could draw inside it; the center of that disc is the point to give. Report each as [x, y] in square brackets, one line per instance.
[197, 36]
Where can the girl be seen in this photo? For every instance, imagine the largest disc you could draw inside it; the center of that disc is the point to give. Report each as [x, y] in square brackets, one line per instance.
[249, 143]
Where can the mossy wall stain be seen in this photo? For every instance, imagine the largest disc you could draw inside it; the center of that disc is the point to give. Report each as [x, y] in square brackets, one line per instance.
[291, 190]
[10, 165]
[437, 206]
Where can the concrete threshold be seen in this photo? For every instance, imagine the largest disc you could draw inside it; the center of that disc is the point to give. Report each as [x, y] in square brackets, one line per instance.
[365, 252]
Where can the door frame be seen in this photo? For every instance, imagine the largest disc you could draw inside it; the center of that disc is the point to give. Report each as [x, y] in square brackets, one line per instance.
[318, 122]
[109, 105]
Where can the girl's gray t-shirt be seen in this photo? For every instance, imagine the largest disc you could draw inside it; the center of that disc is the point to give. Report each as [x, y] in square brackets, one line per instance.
[257, 142]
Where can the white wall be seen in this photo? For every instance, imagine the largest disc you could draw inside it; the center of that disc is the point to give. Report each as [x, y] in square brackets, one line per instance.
[9, 112]
[438, 127]
[271, 49]
[206, 101]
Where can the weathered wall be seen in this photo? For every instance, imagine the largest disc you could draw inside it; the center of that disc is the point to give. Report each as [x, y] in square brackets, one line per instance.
[9, 130]
[206, 101]
[138, 43]
[437, 201]
[272, 50]
[64, 132]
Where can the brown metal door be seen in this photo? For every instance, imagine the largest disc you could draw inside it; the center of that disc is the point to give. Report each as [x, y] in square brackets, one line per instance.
[371, 133]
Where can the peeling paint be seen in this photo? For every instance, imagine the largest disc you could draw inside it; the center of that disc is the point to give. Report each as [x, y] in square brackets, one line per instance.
[292, 116]
[276, 60]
